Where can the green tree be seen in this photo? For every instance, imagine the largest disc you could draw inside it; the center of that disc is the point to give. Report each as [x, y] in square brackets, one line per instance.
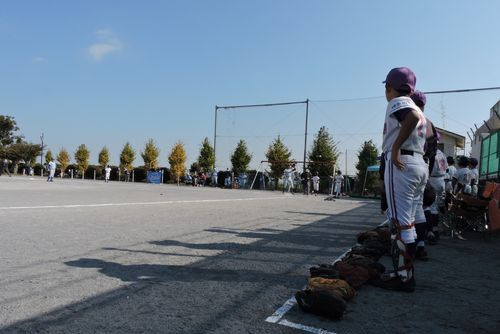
[150, 155]
[48, 156]
[195, 167]
[82, 155]
[103, 158]
[206, 159]
[8, 127]
[63, 159]
[22, 150]
[240, 159]
[367, 156]
[127, 157]
[278, 156]
[177, 160]
[323, 154]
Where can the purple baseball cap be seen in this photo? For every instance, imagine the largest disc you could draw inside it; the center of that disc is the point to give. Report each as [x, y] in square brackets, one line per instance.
[401, 77]
[419, 98]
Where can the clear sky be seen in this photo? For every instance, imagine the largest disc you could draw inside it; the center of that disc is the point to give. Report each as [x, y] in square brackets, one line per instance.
[107, 72]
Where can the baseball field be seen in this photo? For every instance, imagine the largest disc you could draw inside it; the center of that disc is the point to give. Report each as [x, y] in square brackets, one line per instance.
[89, 257]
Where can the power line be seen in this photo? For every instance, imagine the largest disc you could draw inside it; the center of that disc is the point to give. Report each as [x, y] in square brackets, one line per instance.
[260, 105]
[462, 90]
[429, 92]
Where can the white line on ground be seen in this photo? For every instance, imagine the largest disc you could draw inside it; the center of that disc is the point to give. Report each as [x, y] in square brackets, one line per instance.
[282, 310]
[304, 328]
[136, 203]
[279, 313]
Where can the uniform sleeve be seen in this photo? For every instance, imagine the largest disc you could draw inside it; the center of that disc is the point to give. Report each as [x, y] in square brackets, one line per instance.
[401, 114]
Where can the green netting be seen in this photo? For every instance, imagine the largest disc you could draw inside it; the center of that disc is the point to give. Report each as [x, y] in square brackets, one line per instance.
[485, 149]
[493, 165]
[490, 155]
[484, 165]
[494, 143]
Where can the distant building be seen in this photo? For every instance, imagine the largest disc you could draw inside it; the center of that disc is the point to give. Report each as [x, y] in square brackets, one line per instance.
[485, 145]
[450, 142]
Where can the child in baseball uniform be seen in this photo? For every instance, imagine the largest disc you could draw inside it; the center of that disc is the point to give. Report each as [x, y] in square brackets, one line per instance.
[315, 182]
[474, 173]
[406, 173]
[450, 173]
[288, 175]
[339, 179]
[423, 218]
[462, 176]
[107, 170]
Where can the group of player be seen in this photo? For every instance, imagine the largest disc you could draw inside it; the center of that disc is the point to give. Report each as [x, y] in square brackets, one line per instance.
[307, 179]
[412, 162]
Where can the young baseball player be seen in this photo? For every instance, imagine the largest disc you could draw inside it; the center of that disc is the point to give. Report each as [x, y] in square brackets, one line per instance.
[450, 173]
[406, 173]
[339, 179]
[474, 175]
[288, 179]
[422, 217]
[315, 182]
[462, 176]
[107, 170]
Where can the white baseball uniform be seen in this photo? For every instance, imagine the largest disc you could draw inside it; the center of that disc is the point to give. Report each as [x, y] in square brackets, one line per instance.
[463, 177]
[338, 184]
[436, 180]
[288, 179]
[404, 188]
[315, 180]
[448, 179]
[474, 176]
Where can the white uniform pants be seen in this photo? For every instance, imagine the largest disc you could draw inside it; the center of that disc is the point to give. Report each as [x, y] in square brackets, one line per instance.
[338, 187]
[404, 189]
[437, 184]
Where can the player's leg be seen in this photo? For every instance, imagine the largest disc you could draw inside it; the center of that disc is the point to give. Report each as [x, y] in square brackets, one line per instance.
[401, 188]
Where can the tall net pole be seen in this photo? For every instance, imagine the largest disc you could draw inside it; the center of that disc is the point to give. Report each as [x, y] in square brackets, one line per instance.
[305, 135]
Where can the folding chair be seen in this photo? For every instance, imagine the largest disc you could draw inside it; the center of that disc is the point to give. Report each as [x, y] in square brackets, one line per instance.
[468, 213]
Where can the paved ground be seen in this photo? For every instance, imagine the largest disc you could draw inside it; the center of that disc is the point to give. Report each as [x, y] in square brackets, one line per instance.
[88, 257]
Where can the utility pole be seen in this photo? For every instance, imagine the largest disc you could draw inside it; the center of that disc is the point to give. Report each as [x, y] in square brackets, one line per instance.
[305, 134]
[215, 136]
[41, 156]
[346, 162]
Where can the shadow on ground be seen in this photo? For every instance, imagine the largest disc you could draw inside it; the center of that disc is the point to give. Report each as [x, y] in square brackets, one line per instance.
[233, 291]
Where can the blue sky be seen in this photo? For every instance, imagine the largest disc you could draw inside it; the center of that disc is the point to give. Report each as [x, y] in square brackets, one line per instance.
[108, 72]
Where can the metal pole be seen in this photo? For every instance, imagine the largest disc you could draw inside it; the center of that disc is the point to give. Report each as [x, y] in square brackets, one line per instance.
[41, 157]
[305, 133]
[215, 136]
[346, 162]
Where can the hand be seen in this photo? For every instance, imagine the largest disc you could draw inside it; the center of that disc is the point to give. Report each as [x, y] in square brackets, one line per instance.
[396, 159]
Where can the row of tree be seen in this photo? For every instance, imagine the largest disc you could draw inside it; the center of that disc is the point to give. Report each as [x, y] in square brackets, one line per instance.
[322, 156]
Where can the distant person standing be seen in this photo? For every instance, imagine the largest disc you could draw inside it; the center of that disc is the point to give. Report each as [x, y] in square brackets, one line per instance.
[214, 177]
[288, 179]
[52, 170]
[5, 167]
[306, 179]
[315, 182]
[107, 172]
[474, 173]
[339, 180]
[463, 177]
